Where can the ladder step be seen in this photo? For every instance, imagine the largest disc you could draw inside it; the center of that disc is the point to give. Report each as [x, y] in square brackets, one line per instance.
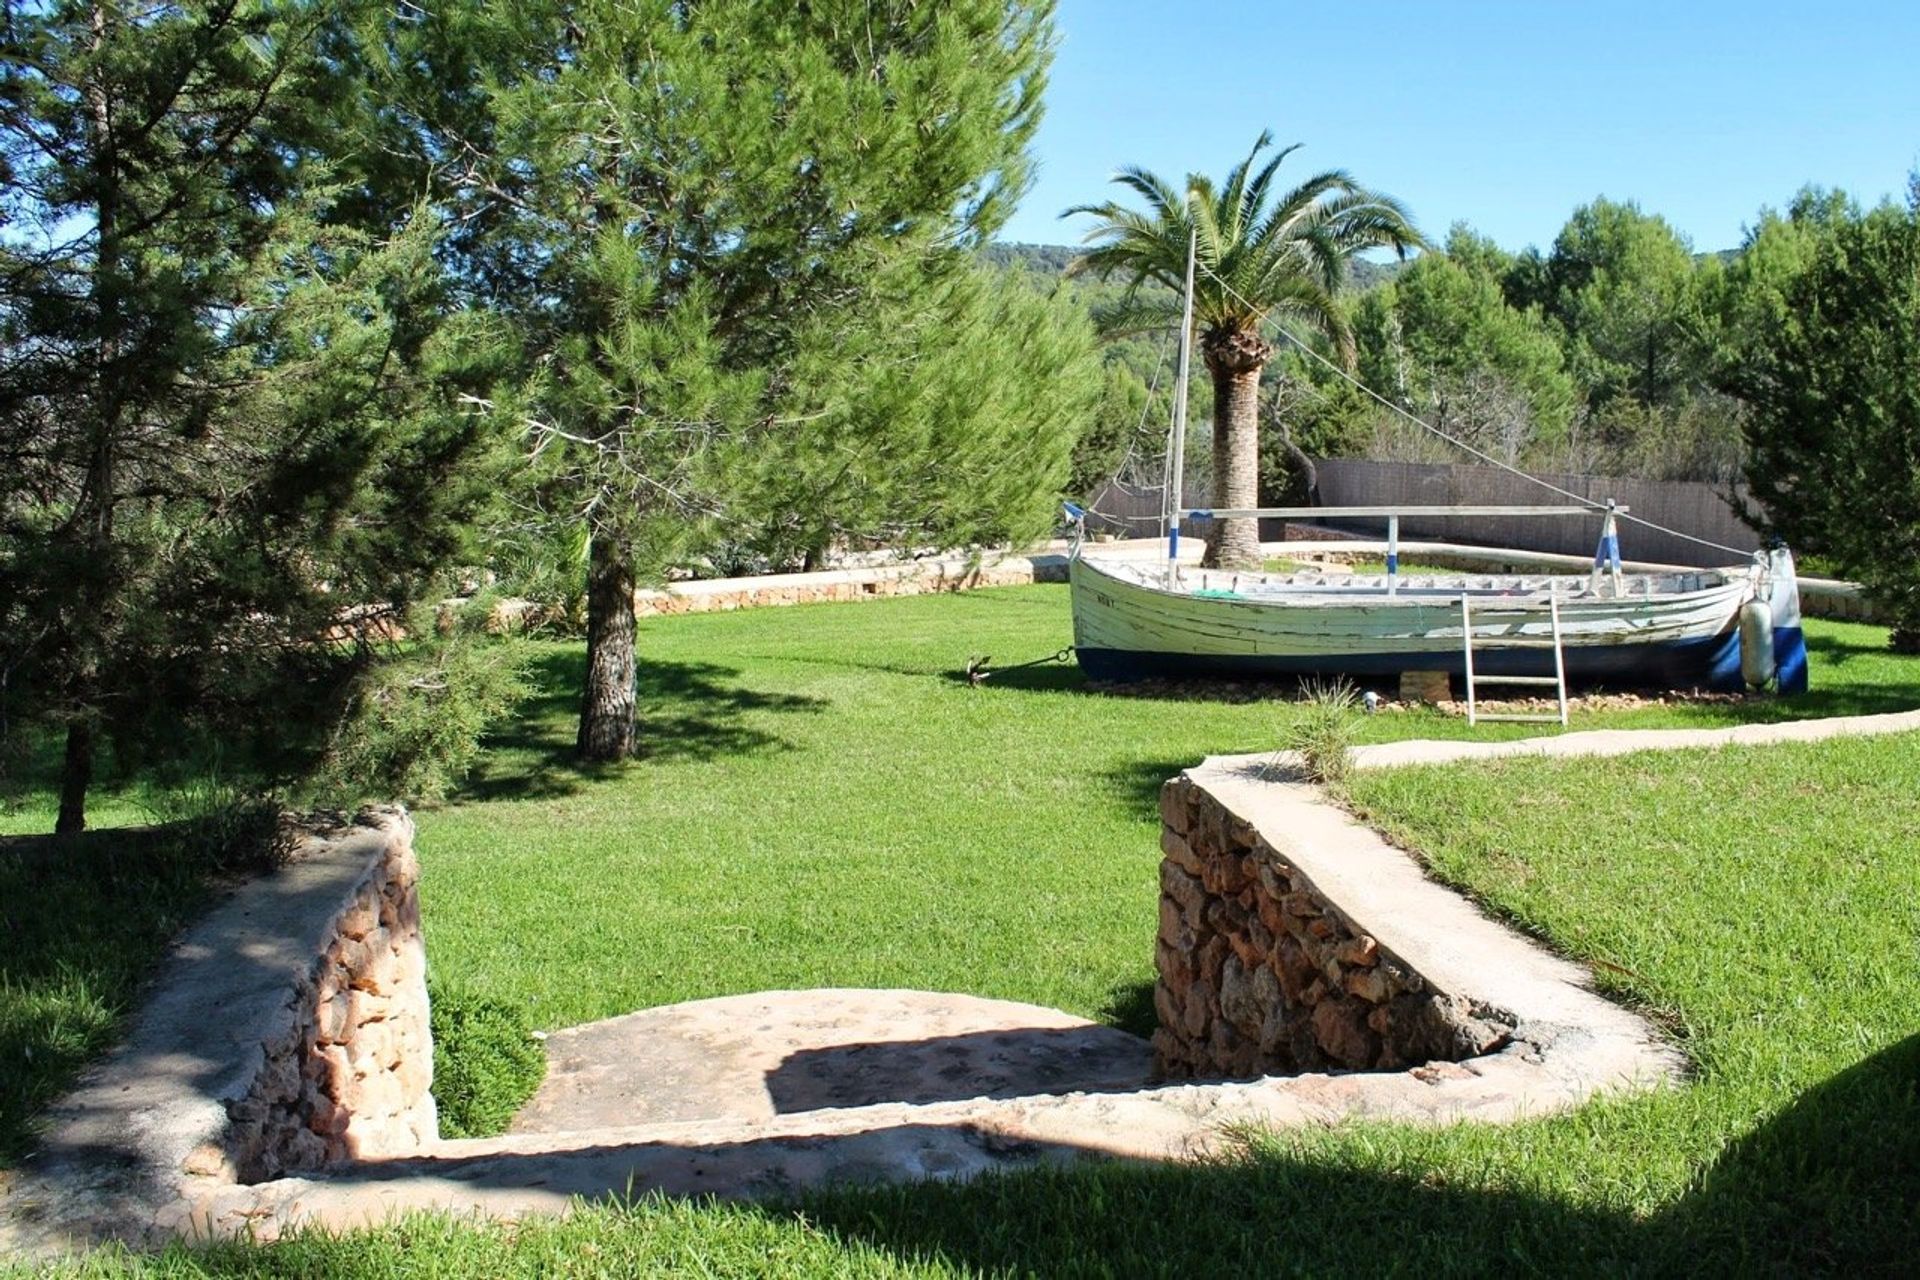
[1510, 642]
[1484, 715]
[1552, 682]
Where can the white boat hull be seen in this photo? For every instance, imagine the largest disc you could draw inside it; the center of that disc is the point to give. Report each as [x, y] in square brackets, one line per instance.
[1671, 630]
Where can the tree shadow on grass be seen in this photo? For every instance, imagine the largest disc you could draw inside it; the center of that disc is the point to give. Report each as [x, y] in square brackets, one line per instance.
[1834, 689]
[1829, 1185]
[1129, 1008]
[687, 711]
[83, 922]
[1137, 783]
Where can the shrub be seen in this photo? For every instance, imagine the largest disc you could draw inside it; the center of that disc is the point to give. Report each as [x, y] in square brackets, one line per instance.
[413, 723]
[486, 1061]
[1323, 731]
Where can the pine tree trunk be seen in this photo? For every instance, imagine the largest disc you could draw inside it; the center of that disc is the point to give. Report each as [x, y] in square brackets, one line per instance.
[607, 705]
[76, 774]
[1235, 360]
[90, 622]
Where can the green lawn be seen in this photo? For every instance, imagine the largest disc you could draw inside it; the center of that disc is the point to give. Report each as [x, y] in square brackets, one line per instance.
[825, 804]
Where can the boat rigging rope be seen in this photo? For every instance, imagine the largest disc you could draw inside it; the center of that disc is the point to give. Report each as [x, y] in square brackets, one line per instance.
[1133, 444]
[1366, 390]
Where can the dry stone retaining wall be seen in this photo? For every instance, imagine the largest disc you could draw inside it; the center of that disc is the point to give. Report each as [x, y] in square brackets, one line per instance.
[349, 1077]
[1260, 973]
[924, 577]
[287, 1031]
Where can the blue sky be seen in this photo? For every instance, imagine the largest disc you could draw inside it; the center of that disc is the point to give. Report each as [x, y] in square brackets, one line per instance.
[1504, 115]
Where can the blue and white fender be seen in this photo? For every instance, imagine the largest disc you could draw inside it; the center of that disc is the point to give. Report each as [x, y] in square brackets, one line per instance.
[1789, 642]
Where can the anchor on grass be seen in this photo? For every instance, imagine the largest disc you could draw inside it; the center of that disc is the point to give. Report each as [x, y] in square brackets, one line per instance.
[978, 674]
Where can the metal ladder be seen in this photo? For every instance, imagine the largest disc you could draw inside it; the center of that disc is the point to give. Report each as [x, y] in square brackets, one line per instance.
[1558, 680]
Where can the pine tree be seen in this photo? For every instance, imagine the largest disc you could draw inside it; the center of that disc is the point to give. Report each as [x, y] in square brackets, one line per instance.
[1834, 392]
[230, 450]
[687, 209]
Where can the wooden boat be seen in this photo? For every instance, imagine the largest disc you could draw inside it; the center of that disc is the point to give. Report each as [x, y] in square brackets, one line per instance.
[1139, 620]
[1726, 629]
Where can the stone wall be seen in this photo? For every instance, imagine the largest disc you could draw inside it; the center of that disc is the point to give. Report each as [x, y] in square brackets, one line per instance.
[285, 1031]
[873, 582]
[1261, 974]
[348, 1077]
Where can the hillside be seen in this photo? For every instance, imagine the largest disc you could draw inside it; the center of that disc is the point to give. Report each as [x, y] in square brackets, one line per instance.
[1052, 260]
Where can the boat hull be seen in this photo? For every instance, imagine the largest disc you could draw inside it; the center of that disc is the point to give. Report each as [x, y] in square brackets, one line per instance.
[1128, 630]
[1710, 662]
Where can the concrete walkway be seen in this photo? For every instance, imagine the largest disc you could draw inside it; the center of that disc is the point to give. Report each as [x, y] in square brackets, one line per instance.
[1619, 742]
[750, 1059]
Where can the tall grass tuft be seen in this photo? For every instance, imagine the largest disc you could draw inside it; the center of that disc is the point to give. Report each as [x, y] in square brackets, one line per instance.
[1323, 732]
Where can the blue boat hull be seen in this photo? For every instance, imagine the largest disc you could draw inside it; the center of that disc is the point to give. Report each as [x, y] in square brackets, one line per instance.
[1711, 662]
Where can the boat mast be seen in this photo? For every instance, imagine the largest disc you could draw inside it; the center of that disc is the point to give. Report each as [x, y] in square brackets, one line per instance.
[1177, 451]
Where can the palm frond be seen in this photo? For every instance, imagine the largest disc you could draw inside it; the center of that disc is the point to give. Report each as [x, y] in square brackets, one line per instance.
[1136, 313]
[1259, 256]
[1256, 197]
[1151, 187]
[1232, 209]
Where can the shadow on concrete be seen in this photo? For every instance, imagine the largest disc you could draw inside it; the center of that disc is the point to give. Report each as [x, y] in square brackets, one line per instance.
[687, 711]
[84, 920]
[223, 990]
[1011, 1063]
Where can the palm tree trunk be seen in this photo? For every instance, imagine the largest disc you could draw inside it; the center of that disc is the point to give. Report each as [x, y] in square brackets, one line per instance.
[1235, 361]
[607, 704]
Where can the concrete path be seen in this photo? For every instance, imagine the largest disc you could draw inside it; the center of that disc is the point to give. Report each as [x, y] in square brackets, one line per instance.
[1619, 742]
[748, 1059]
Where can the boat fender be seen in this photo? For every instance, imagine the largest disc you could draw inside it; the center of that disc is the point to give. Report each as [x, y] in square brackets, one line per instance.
[1756, 643]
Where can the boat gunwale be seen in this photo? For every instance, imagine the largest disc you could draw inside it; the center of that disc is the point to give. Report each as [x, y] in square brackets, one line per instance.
[1732, 579]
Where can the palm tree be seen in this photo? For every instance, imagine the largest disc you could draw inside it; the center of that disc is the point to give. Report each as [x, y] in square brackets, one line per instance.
[1257, 257]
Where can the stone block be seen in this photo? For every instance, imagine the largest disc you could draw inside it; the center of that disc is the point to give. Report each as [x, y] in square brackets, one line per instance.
[413, 1074]
[1178, 851]
[332, 1020]
[1340, 1027]
[1362, 950]
[1201, 1000]
[1430, 687]
[1224, 915]
[1166, 1005]
[1293, 967]
[1186, 892]
[1273, 879]
[350, 957]
[367, 1007]
[1237, 1002]
[1175, 804]
[359, 919]
[1367, 984]
[1222, 876]
[1171, 923]
[1302, 905]
[1268, 909]
[1212, 955]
